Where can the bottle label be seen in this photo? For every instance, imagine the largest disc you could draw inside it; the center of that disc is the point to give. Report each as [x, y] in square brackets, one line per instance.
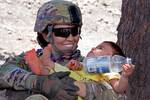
[98, 64]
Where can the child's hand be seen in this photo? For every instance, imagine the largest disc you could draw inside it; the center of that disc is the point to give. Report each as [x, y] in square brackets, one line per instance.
[74, 65]
[127, 69]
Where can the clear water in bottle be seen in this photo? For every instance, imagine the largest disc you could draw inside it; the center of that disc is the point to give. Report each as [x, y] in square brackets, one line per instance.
[105, 64]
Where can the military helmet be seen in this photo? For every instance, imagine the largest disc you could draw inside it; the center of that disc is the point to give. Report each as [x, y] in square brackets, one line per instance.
[57, 12]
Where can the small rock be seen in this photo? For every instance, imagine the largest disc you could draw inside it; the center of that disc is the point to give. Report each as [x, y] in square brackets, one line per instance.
[19, 39]
[9, 12]
[104, 4]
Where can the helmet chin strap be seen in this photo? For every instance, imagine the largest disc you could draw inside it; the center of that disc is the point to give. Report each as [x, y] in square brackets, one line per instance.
[50, 27]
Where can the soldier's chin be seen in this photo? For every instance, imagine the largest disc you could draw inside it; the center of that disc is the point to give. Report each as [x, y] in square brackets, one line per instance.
[68, 52]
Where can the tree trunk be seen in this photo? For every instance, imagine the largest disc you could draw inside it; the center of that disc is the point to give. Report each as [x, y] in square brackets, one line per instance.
[133, 38]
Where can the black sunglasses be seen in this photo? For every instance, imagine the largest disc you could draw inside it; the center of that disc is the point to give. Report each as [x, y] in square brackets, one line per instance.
[65, 32]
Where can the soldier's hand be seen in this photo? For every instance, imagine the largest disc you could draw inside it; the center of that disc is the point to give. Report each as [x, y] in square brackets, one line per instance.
[57, 86]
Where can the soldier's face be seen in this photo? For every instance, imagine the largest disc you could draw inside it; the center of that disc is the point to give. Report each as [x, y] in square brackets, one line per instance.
[65, 38]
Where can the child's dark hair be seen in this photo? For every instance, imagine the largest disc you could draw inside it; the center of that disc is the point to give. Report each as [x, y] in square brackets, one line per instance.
[117, 49]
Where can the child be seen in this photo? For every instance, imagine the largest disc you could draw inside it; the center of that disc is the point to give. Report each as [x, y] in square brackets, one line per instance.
[119, 84]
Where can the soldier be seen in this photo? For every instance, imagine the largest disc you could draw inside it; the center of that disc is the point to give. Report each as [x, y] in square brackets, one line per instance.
[15, 74]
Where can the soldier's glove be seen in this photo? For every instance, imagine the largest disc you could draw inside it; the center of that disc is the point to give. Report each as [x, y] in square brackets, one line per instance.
[57, 86]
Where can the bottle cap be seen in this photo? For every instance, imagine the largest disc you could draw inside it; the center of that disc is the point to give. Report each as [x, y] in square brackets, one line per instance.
[128, 60]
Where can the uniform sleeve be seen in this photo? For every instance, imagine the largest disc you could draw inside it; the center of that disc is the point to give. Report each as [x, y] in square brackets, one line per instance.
[99, 91]
[13, 73]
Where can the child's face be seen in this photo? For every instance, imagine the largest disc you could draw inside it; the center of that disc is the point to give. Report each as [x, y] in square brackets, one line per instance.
[101, 50]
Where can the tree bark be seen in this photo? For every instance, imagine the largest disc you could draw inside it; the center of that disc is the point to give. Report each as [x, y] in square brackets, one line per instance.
[133, 38]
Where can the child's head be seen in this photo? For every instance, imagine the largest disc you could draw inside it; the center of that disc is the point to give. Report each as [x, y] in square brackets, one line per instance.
[106, 48]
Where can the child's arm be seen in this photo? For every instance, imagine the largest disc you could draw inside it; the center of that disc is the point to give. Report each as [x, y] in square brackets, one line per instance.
[121, 85]
[74, 65]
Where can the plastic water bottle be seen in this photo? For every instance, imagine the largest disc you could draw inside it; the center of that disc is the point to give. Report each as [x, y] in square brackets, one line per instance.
[117, 62]
[105, 64]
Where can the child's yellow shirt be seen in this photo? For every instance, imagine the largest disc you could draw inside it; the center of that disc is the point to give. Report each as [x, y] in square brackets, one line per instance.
[85, 76]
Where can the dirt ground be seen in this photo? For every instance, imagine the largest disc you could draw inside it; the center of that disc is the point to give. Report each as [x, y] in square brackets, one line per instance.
[17, 18]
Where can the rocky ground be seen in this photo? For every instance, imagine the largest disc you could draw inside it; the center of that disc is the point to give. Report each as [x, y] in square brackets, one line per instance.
[17, 18]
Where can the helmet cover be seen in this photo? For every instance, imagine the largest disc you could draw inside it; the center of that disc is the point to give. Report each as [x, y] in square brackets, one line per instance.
[57, 12]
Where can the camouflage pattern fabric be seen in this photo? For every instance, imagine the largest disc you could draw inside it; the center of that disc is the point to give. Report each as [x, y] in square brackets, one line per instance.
[13, 74]
[56, 12]
[36, 97]
[102, 91]
[3, 94]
